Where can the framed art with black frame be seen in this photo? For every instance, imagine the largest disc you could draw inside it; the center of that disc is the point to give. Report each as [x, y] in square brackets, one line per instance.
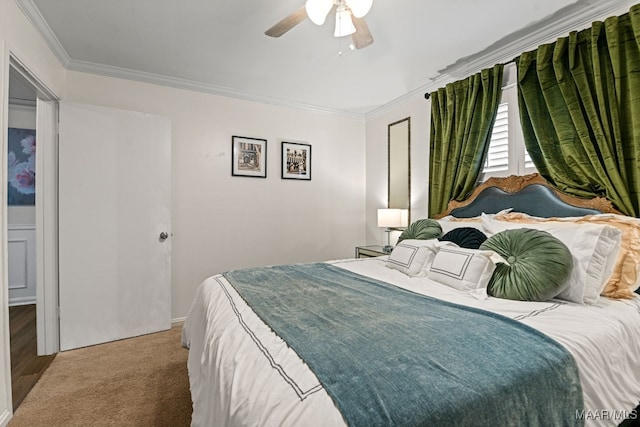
[296, 161]
[248, 157]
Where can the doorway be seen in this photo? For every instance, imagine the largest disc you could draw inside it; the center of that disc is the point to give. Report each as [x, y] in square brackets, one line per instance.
[146, 220]
[29, 121]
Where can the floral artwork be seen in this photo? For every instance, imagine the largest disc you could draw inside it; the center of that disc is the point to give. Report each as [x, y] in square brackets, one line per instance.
[21, 171]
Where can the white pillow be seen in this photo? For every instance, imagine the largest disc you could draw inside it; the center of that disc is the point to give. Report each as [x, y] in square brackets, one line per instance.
[594, 249]
[464, 269]
[410, 256]
[451, 222]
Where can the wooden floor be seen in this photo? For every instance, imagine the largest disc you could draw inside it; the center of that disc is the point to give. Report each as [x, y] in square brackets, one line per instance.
[26, 366]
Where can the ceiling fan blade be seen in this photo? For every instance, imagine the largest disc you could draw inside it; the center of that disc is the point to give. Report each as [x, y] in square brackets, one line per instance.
[362, 37]
[287, 23]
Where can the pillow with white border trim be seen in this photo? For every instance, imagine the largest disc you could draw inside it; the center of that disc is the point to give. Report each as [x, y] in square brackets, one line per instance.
[411, 255]
[467, 270]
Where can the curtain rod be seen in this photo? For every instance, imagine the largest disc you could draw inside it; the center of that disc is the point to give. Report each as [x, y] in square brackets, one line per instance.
[427, 95]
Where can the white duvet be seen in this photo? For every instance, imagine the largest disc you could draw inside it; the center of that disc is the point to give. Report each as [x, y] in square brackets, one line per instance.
[242, 374]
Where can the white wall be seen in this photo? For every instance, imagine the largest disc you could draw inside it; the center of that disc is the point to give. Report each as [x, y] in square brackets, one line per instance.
[376, 160]
[222, 222]
[21, 116]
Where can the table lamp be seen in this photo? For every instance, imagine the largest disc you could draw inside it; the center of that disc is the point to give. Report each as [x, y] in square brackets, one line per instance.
[390, 219]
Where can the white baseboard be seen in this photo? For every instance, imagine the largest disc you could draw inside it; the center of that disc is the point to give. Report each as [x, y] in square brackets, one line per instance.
[5, 417]
[177, 321]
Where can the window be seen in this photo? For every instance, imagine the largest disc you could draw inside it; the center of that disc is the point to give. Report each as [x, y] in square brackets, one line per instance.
[507, 154]
[498, 155]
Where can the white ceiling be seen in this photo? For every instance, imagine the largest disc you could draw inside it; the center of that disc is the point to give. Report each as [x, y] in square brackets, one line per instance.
[219, 46]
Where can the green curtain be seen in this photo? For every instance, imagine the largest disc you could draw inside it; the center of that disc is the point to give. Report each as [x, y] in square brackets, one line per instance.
[579, 104]
[462, 117]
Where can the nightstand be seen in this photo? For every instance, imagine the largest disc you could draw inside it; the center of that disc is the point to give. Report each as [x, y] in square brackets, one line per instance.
[370, 251]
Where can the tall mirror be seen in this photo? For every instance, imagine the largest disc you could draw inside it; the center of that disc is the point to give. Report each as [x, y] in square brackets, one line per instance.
[399, 172]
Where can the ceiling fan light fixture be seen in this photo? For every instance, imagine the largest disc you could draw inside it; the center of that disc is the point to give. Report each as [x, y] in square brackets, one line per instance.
[344, 25]
[359, 8]
[317, 10]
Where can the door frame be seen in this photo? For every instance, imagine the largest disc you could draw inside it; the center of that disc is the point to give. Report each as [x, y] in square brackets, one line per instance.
[47, 324]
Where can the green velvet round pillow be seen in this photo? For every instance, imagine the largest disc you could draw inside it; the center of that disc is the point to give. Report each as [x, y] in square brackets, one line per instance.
[539, 265]
[422, 229]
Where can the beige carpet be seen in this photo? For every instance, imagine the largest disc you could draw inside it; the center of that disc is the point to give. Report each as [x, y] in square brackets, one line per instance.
[134, 382]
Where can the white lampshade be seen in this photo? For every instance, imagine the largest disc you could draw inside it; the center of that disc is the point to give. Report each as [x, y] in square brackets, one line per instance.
[317, 10]
[391, 218]
[359, 8]
[344, 25]
[404, 217]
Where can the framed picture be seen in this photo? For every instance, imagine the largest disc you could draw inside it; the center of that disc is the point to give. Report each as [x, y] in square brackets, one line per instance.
[296, 161]
[21, 167]
[248, 157]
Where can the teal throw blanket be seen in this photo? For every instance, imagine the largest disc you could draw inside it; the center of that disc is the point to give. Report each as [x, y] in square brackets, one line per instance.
[390, 357]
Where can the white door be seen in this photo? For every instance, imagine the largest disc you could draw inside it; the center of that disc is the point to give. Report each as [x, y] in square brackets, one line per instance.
[47, 228]
[114, 224]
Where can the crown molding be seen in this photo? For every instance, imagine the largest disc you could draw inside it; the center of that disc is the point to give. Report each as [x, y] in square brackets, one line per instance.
[33, 14]
[168, 81]
[558, 25]
[396, 103]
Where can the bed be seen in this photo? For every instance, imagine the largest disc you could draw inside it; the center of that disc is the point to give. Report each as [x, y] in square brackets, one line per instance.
[411, 339]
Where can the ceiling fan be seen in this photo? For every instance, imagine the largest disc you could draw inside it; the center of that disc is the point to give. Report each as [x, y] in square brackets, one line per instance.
[349, 19]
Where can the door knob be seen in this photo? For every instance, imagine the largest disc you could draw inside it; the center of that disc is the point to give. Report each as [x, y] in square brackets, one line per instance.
[164, 235]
